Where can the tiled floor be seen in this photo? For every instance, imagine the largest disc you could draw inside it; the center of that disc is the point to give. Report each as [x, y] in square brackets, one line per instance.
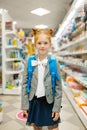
[11, 106]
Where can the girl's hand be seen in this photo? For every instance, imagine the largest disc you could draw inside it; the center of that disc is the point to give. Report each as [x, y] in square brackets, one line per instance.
[55, 116]
[25, 113]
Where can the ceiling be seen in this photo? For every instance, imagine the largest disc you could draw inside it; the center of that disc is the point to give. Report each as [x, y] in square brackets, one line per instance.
[19, 10]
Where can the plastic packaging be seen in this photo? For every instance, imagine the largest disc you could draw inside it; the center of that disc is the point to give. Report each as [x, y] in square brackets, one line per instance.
[1, 112]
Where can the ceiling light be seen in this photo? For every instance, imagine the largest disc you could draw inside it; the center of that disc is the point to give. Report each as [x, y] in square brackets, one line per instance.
[41, 26]
[40, 11]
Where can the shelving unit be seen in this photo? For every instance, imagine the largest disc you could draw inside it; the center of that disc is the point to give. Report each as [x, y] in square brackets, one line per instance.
[81, 40]
[72, 56]
[79, 111]
[11, 58]
[0, 54]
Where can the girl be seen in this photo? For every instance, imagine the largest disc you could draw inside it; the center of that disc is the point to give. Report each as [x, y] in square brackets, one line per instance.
[43, 108]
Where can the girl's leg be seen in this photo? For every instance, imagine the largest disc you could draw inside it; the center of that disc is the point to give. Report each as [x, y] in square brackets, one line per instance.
[55, 127]
[37, 127]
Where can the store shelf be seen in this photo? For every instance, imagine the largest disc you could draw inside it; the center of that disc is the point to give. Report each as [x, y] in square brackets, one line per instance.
[13, 59]
[1, 56]
[78, 31]
[73, 62]
[65, 53]
[80, 113]
[13, 47]
[11, 33]
[14, 72]
[76, 77]
[13, 91]
[72, 39]
[74, 43]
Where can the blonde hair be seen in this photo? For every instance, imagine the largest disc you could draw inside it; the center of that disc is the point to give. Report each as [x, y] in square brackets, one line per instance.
[37, 32]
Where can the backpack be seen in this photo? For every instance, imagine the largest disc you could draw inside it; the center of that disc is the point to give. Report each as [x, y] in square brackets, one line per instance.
[52, 69]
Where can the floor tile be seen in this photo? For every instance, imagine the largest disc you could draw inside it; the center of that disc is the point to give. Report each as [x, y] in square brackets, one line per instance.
[68, 126]
[11, 125]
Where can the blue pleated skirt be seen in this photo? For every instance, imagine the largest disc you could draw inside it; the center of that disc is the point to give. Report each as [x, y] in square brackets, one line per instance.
[40, 113]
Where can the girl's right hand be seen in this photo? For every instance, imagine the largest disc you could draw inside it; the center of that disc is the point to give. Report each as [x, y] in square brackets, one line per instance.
[25, 113]
[55, 116]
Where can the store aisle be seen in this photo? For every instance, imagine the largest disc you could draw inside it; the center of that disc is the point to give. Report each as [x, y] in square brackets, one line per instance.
[11, 106]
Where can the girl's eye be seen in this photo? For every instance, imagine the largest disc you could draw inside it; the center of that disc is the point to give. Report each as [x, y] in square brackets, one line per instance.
[39, 43]
[45, 43]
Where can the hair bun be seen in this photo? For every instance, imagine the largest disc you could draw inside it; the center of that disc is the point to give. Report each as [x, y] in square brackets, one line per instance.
[35, 31]
[46, 31]
[51, 31]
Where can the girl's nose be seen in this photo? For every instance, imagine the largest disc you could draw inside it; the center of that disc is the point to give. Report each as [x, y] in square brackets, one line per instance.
[42, 45]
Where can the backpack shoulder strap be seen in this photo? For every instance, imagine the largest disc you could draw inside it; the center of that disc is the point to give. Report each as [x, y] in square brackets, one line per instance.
[53, 72]
[53, 67]
[30, 71]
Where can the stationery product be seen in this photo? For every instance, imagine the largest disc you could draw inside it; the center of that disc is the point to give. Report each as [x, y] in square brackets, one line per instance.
[1, 112]
[84, 109]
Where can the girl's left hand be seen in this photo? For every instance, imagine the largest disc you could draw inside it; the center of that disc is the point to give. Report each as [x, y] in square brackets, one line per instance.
[55, 116]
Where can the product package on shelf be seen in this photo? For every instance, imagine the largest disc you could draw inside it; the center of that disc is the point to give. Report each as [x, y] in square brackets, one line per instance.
[84, 109]
[9, 25]
[13, 82]
[80, 102]
[1, 112]
[82, 99]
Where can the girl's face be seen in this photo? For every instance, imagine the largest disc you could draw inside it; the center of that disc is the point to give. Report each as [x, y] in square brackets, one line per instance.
[43, 45]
